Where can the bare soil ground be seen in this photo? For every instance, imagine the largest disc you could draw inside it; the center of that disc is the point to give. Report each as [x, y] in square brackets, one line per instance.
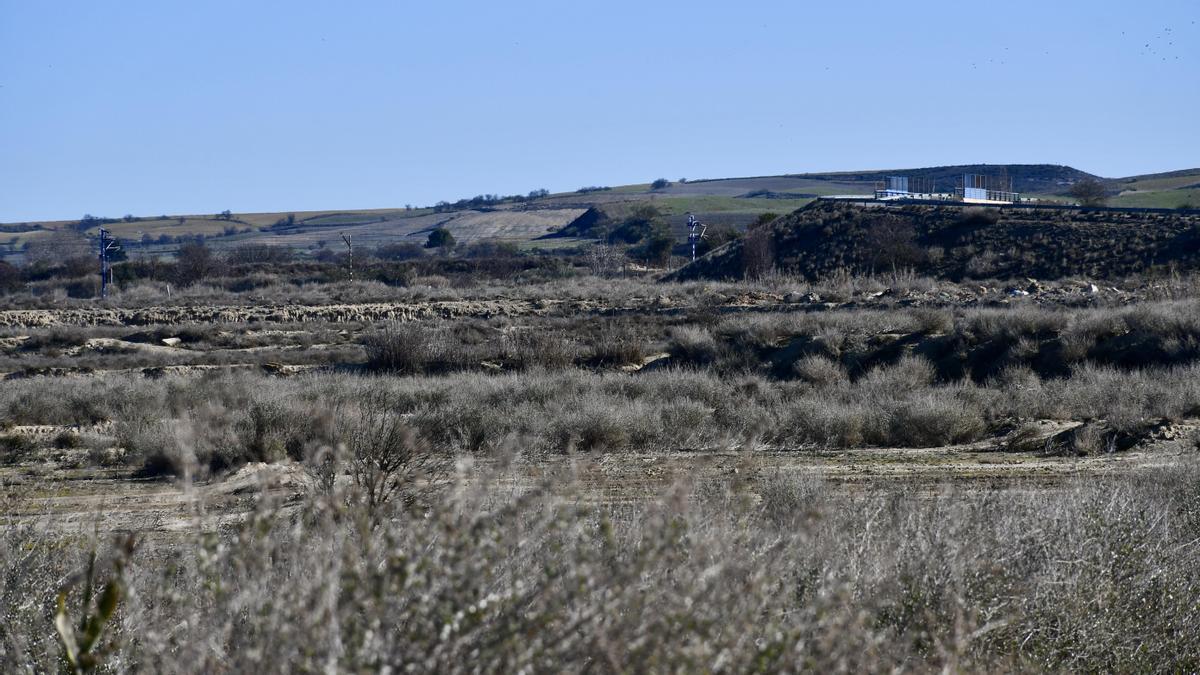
[56, 491]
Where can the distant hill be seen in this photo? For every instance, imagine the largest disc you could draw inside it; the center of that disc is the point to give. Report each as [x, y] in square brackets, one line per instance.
[959, 242]
[1170, 189]
[551, 220]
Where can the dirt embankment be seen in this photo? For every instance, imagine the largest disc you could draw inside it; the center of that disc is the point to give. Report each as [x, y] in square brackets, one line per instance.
[957, 243]
[342, 313]
[949, 295]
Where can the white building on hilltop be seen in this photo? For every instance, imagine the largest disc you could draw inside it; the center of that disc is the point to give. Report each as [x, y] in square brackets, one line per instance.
[973, 188]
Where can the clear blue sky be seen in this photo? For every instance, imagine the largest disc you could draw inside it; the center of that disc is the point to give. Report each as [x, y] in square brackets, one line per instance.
[156, 107]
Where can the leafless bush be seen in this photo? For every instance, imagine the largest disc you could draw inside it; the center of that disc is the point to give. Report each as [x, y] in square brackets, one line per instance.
[694, 344]
[934, 321]
[932, 421]
[618, 346]
[388, 460]
[909, 374]
[892, 244]
[820, 371]
[981, 266]
[528, 349]
[758, 253]
[403, 349]
[55, 339]
[791, 500]
[605, 260]
[824, 424]
[276, 428]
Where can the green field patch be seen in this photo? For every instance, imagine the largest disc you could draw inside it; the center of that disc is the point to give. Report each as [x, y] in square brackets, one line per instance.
[1162, 199]
[1170, 183]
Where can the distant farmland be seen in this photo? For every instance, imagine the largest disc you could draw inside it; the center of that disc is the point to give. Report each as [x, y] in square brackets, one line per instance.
[731, 202]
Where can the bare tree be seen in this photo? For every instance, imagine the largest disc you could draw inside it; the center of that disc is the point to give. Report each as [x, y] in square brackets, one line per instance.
[605, 260]
[758, 252]
[892, 244]
[195, 262]
[1089, 192]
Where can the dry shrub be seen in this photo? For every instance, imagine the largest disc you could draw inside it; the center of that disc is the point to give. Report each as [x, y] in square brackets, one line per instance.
[274, 429]
[821, 371]
[48, 401]
[251, 417]
[618, 347]
[15, 449]
[389, 461]
[909, 373]
[596, 425]
[694, 344]
[55, 339]
[1089, 438]
[933, 321]
[810, 577]
[788, 500]
[688, 421]
[1092, 439]
[526, 350]
[435, 281]
[599, 432]
[400, 348]
[1015, 378]
[823, 423]
[932, 421]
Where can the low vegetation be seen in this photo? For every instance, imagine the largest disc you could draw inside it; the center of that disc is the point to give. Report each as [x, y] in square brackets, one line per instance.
[551, 407]
[1092, 577]
[503, 462]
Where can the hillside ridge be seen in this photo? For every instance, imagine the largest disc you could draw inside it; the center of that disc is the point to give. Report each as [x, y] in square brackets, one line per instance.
[958, 242]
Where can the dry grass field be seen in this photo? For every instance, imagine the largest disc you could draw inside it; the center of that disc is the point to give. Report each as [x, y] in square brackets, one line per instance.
[596, 473]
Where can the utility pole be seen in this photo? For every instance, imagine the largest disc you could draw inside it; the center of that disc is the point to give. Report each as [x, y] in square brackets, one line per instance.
[107, 243]
[695, 233]
[349, 253]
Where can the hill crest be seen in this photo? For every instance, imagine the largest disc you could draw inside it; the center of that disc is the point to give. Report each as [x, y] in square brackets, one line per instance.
[958, 242]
